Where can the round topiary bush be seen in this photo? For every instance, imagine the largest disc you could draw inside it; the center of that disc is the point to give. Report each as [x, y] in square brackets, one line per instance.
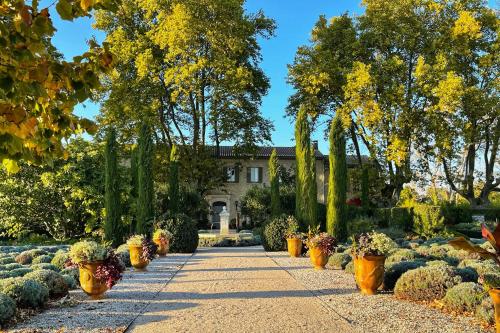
[393, 271]
[20, 271]
[73, 272]
[184, 233]
[24, 258]
[7, 308]
[26, 292]
[402, 255]
[481, 267]
[436, 263]
[60, 259]
[485, 312]
[273, 236]
[37, 267]
[52, 280]
[7, 260]
[349, 268]
[70, 282]
[464, 297]
[43, 259]
[426, 283]
[10, 267]
[38, 252]
[339, 260]
[467, 274]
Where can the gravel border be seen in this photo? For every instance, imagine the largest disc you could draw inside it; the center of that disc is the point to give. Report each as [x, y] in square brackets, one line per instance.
[379, 313]
[116, 312]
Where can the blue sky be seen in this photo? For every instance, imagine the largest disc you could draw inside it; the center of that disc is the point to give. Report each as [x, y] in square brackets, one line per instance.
[294, 18]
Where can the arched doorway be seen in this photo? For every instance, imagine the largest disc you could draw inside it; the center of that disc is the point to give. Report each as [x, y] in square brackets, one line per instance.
[217, 208]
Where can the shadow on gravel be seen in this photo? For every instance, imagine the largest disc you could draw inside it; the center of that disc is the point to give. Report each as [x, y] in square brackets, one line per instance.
[244, 269]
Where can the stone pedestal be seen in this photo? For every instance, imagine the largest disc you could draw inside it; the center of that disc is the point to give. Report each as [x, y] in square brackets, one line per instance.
[224, 222]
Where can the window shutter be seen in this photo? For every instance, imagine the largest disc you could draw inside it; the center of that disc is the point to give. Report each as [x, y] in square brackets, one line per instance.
[249, 175]
[236, 174]
[260, 174]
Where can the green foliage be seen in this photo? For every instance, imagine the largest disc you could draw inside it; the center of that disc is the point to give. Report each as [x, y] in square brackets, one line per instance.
[428, 221]
[184, 233]
[361, 224]
[7, 308]
[275, 184]
[467, 274]
[256, 203]
[112, 220]
[87, 251]
[305, 194]
[70, 281]
[339, 260]
[20, 271]
[63, 201]
[136, 240]
[123, 252]
[39, 88]
[44, 266]
[349, 268]
[455, 214]
[275, 233]
[60, 259]
[43, 259]
[396, 217]
[173, 188]
[145, 186]
[54, 281]
[336, 224]
[485, 311]
[7, 260]
[402, 255]
[74, 272]
[482, 267]
[464, 297]
[426, 283]
[394, 270]
[373, 244]
[365, 187]
[25, 292]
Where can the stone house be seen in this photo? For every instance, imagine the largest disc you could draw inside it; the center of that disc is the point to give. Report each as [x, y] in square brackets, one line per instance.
[246, 172]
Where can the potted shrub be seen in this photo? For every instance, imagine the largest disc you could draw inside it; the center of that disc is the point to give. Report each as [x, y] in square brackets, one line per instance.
[142, 251]
[491, 282]
[99, 267]
[293, 237]
[369, 251]
[162, 239]
[321, 246]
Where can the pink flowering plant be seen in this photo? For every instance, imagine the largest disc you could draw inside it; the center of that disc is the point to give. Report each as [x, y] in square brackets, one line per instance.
[320, 240]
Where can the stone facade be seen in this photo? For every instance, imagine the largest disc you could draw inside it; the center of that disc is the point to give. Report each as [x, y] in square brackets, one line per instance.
[245, 172]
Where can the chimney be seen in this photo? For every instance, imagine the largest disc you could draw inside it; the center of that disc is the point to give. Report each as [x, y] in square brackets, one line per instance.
[315, 144]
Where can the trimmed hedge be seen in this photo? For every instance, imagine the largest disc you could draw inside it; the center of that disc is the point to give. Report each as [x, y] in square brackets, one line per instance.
[273, 237]
[395, 217]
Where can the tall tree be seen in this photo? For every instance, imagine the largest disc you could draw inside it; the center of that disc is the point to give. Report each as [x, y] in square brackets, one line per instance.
[134, 173]
[192, 68]
[459, 91]
[145, 189]
[305, 196]
[336, 222]
[112, 228]
[173, 188]
[38, 88]
[275, 184]
[365, 186]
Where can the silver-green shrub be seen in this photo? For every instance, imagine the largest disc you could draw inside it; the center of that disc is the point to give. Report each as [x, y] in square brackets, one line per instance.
[464, 297]
[393, 271]
[426, 283]
[339, 260]
[43, 259]
[52, 280]
[26, 292]
[60, 259]
[7, 308]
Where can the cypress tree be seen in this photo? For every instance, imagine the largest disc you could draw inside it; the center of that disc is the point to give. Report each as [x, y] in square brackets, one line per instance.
[112, 230]
[305, 196]
[337, 182]
[275, 184]
[173, 188]
[365, 200]
[145, 190]
[133, 186]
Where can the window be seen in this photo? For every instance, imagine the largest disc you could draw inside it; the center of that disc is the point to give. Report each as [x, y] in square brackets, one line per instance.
[254, 175]
[231, 174]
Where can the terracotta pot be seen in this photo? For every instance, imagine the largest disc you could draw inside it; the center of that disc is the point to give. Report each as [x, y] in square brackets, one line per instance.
[495, 296]
[369, 273]
[319, 259]
[89, 284]
[294, 246]
[135, 257]
[162, 246]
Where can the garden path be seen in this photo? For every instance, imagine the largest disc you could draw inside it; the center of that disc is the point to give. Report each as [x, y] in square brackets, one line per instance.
[236, 290]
